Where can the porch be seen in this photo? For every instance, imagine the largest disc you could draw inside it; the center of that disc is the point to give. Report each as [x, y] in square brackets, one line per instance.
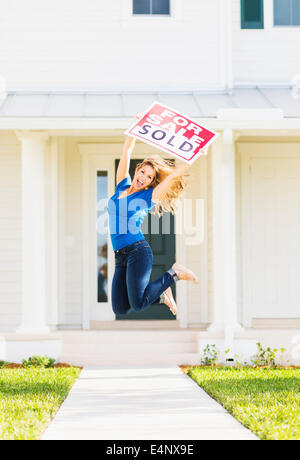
[145, 345]
[65, 151]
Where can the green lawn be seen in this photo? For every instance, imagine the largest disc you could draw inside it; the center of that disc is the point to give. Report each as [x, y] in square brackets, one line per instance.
[29, 398]
[267, 401]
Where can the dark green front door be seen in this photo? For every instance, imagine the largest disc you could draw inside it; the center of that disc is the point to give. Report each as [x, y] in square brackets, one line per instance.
[163, 247]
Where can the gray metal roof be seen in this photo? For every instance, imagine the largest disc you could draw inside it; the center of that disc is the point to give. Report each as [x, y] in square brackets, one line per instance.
[121, 105]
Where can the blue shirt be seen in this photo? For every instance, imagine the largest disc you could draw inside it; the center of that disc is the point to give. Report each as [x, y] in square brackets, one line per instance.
[127, 214]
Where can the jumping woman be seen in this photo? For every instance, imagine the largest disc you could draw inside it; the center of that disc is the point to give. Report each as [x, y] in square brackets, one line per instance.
[156, 185]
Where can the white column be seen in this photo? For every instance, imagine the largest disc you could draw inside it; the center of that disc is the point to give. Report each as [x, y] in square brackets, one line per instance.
[33, 233]
[52, 232]
[217, 325]
[224, 239]
[228, 180]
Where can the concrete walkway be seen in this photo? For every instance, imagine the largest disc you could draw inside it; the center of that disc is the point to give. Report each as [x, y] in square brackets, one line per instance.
[141, 404]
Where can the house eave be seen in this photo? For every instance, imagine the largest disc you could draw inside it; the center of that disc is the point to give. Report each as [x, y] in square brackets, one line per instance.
[111, 123]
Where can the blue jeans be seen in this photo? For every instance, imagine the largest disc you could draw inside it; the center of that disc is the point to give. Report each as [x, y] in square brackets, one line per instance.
[131, 287]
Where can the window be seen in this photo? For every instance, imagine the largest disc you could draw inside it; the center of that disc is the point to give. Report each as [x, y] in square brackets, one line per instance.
[102, 195]
[286, 12]
[151, 7]
[252, 14]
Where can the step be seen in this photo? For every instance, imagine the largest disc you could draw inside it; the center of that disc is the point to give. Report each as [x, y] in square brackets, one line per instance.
[136, 359]
[140, 347]
[134, 324]
[129, 336]
[130, 347]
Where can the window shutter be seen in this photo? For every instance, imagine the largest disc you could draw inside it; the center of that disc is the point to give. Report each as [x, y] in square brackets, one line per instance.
[252, 14]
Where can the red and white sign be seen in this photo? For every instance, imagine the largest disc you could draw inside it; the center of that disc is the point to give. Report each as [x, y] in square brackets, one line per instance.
[169, 130]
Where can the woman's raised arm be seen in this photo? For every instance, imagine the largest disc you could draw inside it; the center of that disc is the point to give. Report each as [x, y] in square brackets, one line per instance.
[161, 189]
[123, 168]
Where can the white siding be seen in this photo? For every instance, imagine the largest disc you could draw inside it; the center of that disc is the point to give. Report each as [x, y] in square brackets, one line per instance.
[10, 232]
[268, 55]
[98, 45]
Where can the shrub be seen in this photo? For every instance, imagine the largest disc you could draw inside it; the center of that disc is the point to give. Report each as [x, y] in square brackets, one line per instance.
[39, 361]
[266, 357]
[209, 355]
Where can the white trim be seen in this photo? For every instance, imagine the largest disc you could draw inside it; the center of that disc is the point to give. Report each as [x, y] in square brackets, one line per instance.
[204, 245]
[222, 44]
[100, 162]
[248, 114]
[85, 219]
[107, 153]
[262, 84]
[229, 38]
[226, 11]
[268, 15]
[181, 288]
[61, 233]
[94, 126]
[91, 155]
[244, 217]
[217, 313]
[53, 256]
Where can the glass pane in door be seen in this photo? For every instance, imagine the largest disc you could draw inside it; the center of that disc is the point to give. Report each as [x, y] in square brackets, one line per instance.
[102, 235]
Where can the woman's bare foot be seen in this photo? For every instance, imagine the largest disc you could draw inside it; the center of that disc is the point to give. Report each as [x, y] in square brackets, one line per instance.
[169, 301]
[184, 273]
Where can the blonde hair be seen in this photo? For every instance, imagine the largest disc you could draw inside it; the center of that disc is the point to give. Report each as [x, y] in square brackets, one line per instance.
[163, 168]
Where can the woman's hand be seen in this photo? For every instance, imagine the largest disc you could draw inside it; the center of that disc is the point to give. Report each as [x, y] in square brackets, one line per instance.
[180, 169]
[130, 141]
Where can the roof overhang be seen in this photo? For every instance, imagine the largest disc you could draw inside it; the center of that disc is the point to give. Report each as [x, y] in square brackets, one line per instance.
[253, 108]
[121, 124]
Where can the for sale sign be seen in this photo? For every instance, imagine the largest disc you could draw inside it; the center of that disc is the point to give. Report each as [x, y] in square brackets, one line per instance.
[172, 132]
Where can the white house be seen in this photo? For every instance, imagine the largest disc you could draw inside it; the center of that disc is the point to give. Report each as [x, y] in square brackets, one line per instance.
[74, 74]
